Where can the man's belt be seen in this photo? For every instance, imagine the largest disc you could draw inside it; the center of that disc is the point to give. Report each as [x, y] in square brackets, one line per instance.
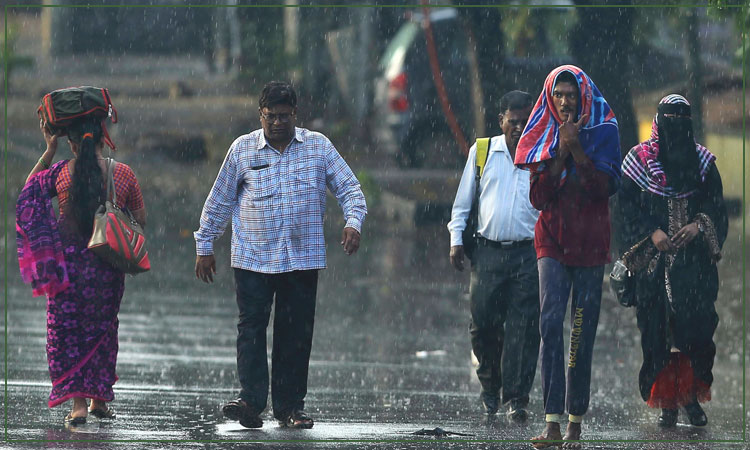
[503, 244]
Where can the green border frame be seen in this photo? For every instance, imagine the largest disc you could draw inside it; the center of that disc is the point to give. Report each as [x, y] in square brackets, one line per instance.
[743, 31]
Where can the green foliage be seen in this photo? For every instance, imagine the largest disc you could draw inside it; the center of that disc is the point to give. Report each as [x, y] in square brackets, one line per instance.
[263, 55]
[740, 15]
[370, 188]
[537, 31]
[8, 54]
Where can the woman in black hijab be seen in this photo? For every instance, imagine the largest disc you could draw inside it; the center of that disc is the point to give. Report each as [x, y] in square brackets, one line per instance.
[673, 201]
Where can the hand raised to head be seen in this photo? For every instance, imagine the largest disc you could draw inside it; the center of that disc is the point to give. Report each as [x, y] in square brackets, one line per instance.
[49, 138]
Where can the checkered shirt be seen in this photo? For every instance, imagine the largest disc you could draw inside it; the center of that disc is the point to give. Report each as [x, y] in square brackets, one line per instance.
[277, 201]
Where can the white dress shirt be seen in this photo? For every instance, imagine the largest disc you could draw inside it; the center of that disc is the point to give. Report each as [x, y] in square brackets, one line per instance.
[505, 212]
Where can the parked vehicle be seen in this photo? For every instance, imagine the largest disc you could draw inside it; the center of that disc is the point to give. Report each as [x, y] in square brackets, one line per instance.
[410, 123]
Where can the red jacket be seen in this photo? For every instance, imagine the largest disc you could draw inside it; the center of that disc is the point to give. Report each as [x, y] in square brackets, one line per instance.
[573, 226]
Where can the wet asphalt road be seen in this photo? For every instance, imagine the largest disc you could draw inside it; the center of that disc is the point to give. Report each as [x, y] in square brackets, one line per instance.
[368, 387]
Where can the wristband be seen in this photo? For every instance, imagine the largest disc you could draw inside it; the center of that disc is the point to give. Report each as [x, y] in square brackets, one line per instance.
[43, 162]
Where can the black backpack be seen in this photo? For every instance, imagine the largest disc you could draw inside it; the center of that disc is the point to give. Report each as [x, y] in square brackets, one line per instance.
[62, 107]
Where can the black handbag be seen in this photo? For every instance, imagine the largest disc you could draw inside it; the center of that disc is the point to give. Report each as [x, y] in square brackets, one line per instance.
[622, 278]
[469, 236]
[622, 283]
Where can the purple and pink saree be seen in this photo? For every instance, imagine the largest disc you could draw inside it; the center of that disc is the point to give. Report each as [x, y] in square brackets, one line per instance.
[83, 294]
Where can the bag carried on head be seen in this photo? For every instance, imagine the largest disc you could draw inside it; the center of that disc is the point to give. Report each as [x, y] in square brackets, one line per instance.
[117, 237]
[469, 237]
[62, 107]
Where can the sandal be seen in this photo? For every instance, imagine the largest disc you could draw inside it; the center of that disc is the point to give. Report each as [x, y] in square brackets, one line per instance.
[106, 414]
[70, 420]
[297, 418]
[244, 413]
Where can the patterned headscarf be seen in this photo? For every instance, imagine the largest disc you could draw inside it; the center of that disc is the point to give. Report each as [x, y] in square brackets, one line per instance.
[599, 135]
[643, 166]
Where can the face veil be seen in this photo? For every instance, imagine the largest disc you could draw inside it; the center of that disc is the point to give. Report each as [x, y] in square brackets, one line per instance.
[677, 149]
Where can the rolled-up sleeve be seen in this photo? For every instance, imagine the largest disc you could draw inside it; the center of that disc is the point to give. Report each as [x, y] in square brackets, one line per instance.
[345, 187]
[217, 210]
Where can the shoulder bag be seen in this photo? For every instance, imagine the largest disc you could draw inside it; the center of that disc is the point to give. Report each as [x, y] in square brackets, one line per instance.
[117, 237]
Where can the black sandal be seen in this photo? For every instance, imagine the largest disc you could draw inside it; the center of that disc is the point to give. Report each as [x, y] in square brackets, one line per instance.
[106, 414]
[70, 420]
[297, 419]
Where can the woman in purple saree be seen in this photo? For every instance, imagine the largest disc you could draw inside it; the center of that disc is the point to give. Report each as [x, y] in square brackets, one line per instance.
[83, 291]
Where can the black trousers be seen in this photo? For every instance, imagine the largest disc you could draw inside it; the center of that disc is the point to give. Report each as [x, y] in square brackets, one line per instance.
[505, 320]
[294, 317]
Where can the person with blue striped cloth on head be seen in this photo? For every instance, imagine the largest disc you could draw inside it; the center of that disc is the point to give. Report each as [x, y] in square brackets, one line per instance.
[272, 185]
[572, 147]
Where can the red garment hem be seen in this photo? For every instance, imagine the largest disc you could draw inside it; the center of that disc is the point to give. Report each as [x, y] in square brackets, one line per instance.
[677, 386]
[66, 397]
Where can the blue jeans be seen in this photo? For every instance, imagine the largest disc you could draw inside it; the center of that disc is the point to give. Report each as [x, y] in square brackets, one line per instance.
[555, 282]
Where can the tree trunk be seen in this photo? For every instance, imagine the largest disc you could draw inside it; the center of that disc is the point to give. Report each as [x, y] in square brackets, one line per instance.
[291, 39]
[56, 28]
[485, 27]
[695, 72]
[601, 44]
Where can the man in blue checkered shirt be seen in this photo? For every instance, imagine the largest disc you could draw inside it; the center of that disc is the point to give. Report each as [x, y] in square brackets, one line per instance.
[273, 187]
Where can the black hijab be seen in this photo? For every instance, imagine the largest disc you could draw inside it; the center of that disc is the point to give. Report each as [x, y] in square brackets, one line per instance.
[677, 148]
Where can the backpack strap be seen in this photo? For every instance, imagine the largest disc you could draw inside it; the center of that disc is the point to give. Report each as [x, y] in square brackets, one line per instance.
[483, 149]
[107, 139]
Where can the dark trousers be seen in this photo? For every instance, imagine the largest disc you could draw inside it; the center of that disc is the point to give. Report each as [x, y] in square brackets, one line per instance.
[555, 281]
[292, 336]
[505, 320]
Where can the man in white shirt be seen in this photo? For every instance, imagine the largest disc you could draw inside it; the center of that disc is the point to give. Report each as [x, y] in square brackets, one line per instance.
[504, 278]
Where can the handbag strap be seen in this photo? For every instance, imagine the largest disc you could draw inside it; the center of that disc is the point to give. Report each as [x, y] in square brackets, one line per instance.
[639, 255]
[111, 163]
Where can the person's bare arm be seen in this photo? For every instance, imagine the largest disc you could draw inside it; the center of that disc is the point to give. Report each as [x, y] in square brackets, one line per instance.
[49, 153]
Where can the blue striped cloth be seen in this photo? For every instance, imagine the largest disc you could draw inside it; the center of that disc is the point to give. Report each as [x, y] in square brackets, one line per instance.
[598, 136]
[277, 201]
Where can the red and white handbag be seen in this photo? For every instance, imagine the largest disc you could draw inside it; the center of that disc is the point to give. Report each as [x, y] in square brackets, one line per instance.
[117, 237]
